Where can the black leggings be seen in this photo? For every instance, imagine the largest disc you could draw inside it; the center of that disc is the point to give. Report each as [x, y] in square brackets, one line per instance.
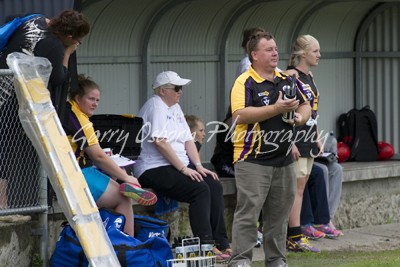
[206, 201]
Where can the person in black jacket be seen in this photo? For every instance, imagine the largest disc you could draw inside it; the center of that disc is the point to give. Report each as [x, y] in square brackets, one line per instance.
[222, 158]
[55, 39]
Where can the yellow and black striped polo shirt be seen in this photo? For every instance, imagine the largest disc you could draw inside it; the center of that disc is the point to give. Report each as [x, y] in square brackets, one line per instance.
[266, 142]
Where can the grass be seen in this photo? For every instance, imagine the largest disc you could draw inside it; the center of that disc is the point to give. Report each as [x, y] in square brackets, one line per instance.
[390, 258]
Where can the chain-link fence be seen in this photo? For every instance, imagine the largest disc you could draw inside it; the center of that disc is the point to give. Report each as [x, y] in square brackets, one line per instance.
[20, 179]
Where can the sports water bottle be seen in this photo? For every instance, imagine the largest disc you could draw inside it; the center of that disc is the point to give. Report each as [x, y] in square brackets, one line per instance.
[331, 144]
[289, 92]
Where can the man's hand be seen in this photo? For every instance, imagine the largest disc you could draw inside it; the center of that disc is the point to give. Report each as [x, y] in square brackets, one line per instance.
[287, 105]
[298, 118]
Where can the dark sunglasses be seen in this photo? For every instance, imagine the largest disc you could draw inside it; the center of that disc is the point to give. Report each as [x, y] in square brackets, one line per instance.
[177, 88]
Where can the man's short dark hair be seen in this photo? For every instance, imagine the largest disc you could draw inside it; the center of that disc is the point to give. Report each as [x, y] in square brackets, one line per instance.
[255, 39]
[249, 32]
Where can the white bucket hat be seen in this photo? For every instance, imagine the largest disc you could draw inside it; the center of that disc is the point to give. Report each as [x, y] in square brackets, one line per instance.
[169, 77]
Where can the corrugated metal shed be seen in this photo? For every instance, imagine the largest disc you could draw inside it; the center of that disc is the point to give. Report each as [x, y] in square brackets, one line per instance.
[132, 41]
[380, 72]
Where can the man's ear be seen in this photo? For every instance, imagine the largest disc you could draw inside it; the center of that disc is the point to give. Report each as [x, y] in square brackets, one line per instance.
[253, 55]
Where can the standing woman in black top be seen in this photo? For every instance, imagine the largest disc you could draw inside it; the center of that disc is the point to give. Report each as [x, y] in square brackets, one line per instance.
[305, 55]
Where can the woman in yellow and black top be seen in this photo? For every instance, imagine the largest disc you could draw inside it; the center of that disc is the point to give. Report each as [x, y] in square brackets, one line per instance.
[105, 190]
[305, 55]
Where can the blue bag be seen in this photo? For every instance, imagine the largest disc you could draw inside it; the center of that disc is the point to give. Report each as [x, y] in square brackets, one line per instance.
[68, 251]
[154, 252]
[9, 28]
[147, 227]
[111, 219]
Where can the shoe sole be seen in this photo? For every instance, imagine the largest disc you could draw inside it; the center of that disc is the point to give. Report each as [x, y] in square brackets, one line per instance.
[303, 249]
[330, 236]
[296, 251]
[143, 197]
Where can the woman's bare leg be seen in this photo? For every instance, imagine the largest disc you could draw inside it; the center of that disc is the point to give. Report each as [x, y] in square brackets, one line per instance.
[113, 199]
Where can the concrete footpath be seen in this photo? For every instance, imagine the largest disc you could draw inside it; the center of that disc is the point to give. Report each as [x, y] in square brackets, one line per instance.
[370, 238]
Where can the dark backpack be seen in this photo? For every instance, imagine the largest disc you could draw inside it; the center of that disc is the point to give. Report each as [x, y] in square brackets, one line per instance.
[358, 129]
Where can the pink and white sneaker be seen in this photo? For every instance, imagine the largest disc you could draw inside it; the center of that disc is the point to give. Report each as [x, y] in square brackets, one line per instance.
[334, 228]
[312, 233]
[143, 197]
[329, 232]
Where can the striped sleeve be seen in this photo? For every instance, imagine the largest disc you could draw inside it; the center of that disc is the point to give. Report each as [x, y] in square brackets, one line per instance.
[240, 95]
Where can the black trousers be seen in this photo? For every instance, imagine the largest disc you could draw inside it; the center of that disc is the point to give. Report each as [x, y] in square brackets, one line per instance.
[315, 207]
[206, 201]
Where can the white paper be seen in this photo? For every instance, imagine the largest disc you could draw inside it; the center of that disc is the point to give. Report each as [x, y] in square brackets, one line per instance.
[122, 161]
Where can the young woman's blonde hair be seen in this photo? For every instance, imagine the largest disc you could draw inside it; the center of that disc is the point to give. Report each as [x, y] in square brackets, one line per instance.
[300, 47]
